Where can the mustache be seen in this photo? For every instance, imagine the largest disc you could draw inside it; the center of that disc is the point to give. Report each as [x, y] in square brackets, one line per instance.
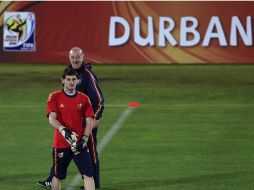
[77, 62]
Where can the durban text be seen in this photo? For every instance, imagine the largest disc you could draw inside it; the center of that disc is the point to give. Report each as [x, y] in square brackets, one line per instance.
[188, 26]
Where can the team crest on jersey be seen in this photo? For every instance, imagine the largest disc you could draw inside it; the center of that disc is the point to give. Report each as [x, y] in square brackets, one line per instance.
[60, 155]
[61, 106]
[79, 106]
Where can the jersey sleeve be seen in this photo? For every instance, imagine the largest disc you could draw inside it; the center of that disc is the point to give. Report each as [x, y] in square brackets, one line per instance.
[88, 109]
[51, 104]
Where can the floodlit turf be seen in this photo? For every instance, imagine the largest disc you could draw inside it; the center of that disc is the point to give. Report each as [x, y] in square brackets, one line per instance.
[193, 129]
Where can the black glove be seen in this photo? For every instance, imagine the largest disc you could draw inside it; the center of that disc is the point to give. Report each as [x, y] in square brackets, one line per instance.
[78, 146]
[69, 135]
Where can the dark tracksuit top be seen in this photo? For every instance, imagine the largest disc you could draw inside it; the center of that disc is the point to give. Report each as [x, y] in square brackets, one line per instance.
[88, 84]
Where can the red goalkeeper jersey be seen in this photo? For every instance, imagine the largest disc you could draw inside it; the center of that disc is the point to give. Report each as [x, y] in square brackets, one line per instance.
[71, 112]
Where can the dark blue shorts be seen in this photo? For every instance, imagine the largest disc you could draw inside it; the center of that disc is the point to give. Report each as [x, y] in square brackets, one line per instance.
[62, 158]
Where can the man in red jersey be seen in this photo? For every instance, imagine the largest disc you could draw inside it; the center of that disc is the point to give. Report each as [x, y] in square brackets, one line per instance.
[66, 110]
[88, 84]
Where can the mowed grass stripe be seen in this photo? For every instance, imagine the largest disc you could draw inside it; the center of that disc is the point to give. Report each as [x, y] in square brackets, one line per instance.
[193, 130]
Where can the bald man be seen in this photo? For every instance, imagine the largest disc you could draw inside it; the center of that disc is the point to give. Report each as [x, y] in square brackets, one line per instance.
[88, 84]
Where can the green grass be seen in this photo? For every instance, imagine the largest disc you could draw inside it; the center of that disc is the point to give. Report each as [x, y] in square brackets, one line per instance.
[193, 129]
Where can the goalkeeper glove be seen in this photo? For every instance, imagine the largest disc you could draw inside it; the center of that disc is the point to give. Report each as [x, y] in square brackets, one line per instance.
[78, 146]
[69, 135]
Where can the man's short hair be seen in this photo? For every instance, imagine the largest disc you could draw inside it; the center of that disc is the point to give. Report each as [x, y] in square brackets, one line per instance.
[69, 71]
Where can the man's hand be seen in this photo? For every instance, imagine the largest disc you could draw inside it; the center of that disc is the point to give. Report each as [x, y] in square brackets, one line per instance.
[69, 135]
[76, 147]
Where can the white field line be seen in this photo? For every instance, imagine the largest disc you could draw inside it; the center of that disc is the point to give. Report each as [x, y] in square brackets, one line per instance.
[105, 140]
[144, 105]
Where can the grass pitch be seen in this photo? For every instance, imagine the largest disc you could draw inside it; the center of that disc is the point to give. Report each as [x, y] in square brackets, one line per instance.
[193, 129]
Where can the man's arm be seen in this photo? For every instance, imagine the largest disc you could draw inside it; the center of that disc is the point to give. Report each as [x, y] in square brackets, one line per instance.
[81, 144]
[89, 127]
[69, 135]
[96, 123]
[53, 120]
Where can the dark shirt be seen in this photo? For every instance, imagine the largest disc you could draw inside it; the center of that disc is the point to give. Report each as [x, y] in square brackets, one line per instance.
[88, 84]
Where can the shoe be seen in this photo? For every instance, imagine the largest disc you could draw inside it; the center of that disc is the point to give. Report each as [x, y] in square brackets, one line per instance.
[45, 184]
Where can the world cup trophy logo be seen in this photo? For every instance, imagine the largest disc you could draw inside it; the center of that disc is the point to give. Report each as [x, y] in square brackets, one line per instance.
[19, 31]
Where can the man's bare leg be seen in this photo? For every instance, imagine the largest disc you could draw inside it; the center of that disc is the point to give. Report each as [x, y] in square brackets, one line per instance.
[89, 183]
[56, 184]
